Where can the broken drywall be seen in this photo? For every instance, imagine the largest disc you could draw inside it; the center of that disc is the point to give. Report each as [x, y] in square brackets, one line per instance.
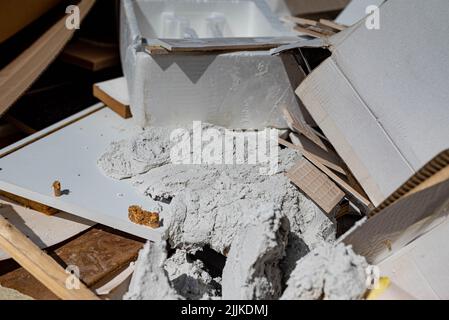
[330, 272]
[252, 270]
[149, 280]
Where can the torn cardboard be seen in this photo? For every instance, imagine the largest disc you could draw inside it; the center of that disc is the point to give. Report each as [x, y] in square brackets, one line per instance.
[390, 115]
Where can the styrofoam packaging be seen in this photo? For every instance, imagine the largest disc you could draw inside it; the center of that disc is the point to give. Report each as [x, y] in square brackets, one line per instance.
[240, 90]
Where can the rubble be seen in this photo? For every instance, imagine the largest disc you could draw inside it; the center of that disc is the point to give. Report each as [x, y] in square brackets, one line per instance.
[330, 272]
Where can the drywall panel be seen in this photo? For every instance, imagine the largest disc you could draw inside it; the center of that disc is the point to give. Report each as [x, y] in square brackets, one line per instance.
[70, 155]
[43, 230]
[396, 80]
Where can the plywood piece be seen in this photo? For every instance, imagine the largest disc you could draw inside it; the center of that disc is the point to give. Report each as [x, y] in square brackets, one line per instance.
[70, 155]
[316, 185]
[18, 76]
[98, 253]
[39, 264]
[114, 94]
[90, 55]
[44, 231]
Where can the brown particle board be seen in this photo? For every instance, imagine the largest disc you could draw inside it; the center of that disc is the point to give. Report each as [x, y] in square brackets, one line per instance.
[315, 184]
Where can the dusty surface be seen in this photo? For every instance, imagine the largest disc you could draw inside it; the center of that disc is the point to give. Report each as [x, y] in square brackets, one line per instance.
[330, 272]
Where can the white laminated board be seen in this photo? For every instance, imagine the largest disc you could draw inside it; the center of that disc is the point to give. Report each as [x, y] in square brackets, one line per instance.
[70, 154]
[43, 230]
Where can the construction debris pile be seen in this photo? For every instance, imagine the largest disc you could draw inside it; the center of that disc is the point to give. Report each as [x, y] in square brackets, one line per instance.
[300, 154]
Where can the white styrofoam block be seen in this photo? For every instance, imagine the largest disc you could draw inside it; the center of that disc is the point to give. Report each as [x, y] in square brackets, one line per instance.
[241, 90]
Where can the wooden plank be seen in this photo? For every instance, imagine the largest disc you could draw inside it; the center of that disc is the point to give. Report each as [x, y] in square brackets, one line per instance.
[300, 21]
[315, 184]
[39, 264]
[434, 172]
[90, 55]
[23, 127]
[99, 253]
[350, 191]
[18, 76]
[333, 25]
[52, 129]
[114, 94]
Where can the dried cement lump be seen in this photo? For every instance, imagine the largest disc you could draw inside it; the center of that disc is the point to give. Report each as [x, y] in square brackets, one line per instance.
[330, 272]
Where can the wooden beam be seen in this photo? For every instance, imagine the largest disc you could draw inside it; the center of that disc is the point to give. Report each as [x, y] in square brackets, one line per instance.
[39, 264]
[121, 108]
[18, 76]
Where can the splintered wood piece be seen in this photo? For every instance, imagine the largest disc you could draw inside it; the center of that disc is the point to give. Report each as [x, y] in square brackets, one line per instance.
[315, 184]
[333, 25]
[104, 92]
[57, 189]
[300, 21]
[145, 218]
[304, 129]
[39, 264]
[350, 191]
